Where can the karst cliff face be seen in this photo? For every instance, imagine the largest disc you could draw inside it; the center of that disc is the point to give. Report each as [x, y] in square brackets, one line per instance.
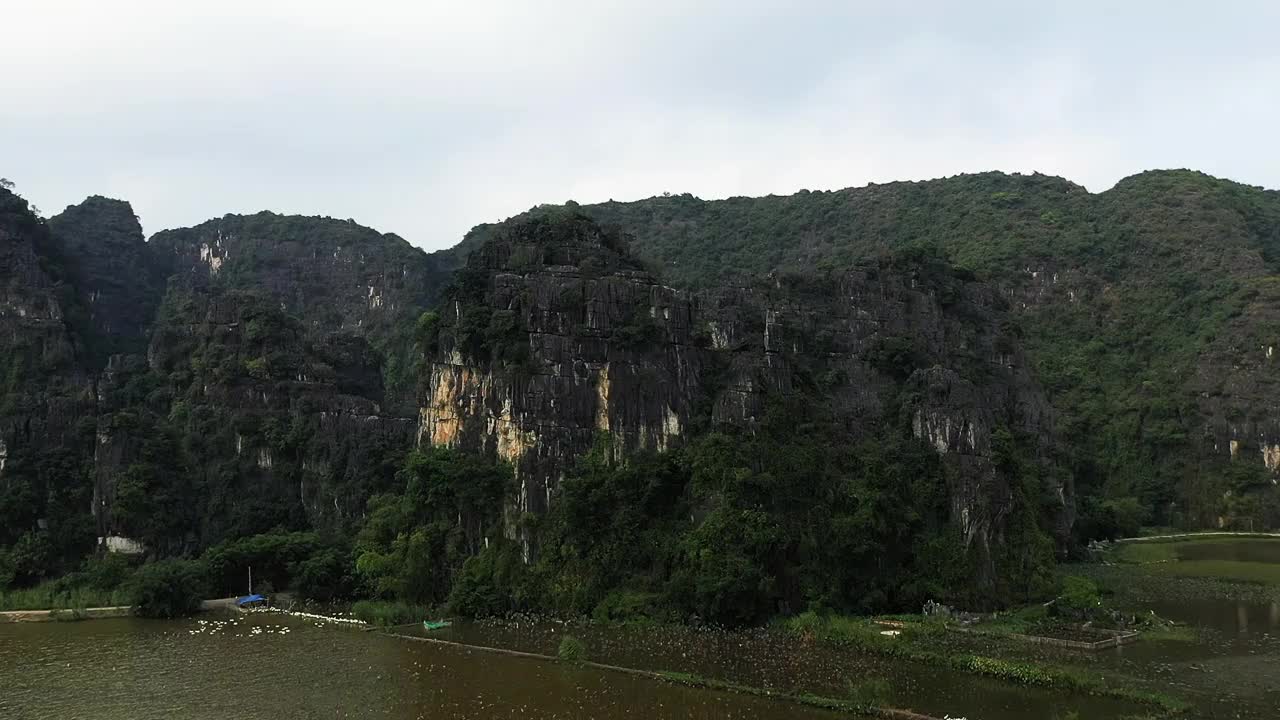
[1148, 311]
[333, 276]
[216, 381]
[265, 370]
[554, 335]
[46, 394]
[113, 273]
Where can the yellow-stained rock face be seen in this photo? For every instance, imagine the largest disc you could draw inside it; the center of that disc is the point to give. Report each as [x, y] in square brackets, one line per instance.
[949, 433]
[672, 428]
[459, 400]
[439, 417]
[602, 401]
[512, 442]
[1271, 457]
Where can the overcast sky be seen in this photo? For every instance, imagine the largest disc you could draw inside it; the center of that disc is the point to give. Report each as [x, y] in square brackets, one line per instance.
[425, 118]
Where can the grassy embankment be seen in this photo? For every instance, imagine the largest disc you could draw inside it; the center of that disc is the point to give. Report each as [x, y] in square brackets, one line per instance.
[53, 596]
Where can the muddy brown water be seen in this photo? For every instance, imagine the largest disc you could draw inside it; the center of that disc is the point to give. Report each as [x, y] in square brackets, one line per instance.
[1233, 669]
[1259, 550]
[270, 666]
[130, 669]
[773, 659]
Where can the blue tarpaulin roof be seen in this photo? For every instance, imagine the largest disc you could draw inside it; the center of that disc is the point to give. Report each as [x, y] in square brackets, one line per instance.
[250, 599]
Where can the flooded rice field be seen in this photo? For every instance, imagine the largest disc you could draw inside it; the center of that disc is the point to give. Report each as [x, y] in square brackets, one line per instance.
[776, 660]
[1257, 550]
[1226, 592]
[1230, 669]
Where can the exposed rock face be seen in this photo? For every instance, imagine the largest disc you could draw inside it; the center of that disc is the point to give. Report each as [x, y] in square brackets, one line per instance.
[1236, 383]
[44, 388]
[577, 340]
[284, 416]
[284, 345]
[217, 381]
[334, 274]
[44, 392]
[113, 271]
[44, 385]
[116, 279]
[261, 346]
[1146, 310]
[256, 372]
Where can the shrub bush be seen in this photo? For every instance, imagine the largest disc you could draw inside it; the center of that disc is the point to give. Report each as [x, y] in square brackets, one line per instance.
[167, 589]
[388, 614]
[571, 650]
[1079, 598]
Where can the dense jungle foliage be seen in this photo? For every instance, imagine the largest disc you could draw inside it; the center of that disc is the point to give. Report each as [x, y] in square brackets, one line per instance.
[732, 529]
[729, 529]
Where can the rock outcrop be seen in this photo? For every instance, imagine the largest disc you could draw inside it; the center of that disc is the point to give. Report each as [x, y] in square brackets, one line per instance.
[248, 373]
[276, 360]
[46, 396]
[113, 272]
[1146, 310]
[555, 334]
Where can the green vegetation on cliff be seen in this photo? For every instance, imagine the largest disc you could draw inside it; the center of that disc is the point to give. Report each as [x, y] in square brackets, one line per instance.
[46, 425]
[254, 397]
[1147, 311]
[733, 529]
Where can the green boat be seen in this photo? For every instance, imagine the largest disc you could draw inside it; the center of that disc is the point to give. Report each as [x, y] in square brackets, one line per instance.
[435, 625]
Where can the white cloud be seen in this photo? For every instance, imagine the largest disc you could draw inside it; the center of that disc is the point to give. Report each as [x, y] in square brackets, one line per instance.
[426, 118]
